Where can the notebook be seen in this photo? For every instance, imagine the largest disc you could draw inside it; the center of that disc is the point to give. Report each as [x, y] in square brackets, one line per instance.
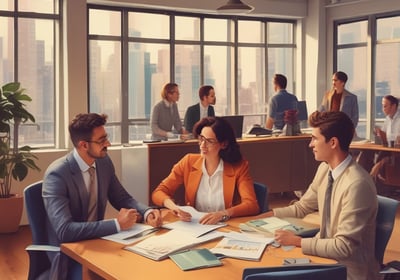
[195, 259]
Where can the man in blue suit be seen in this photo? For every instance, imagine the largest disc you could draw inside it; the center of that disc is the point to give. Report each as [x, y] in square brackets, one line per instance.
[202, 109]
[69, 189]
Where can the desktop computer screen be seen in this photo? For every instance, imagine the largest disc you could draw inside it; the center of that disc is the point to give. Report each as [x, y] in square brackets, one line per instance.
[237, 124]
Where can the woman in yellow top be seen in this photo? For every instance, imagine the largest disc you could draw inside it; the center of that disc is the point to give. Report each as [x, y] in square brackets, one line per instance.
[216, 181]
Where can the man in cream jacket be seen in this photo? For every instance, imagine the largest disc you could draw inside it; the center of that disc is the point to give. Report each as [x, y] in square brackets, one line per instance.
[347, 234]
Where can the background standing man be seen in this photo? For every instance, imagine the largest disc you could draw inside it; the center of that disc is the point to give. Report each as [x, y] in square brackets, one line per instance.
[340, 99]
[279, 103]
[202, 109]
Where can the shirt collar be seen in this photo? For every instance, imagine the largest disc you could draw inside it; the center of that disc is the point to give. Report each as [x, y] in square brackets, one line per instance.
[167, 103]
[203, 107]
[220, 167]
[341, 167]
[83, 166]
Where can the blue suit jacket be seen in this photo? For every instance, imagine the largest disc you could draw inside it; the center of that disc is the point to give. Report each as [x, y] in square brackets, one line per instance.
[66, 201]
[193, 115]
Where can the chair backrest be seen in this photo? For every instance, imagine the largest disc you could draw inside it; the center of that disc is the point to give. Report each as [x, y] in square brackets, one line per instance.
[36, 213]
[261, 191]
[387, 208]
[297, 272]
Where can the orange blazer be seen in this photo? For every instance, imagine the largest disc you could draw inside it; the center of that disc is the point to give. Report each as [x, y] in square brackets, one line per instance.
[237, 183]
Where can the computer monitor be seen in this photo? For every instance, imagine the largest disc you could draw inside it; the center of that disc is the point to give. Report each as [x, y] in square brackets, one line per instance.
[302, 109]
[237, 124]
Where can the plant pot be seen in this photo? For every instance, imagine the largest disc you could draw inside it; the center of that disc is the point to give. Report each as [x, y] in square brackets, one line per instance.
[10, 213]
[292, 129]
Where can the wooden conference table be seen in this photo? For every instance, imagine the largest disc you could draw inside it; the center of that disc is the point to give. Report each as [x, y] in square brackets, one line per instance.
[108, 260]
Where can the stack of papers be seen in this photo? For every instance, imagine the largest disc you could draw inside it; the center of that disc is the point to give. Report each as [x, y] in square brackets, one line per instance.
[270, 224]
[159, 247]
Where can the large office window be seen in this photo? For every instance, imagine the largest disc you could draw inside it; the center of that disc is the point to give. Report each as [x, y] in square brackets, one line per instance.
[370, 43]
[28, 50]
[134, 52]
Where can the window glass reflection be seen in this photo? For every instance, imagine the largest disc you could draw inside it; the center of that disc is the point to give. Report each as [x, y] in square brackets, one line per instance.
[105, 78]
[187, 28]
[146, 25]
[37, 76]
[104, 22]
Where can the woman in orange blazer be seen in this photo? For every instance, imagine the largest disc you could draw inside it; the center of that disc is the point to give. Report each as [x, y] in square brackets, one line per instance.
[217, 181]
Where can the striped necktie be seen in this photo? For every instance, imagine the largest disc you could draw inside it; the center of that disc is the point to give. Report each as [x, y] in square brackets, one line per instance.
[326, 218]
[92, 209]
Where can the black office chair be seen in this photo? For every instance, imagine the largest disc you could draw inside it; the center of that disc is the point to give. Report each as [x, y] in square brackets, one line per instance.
[297, 272]
[387, 208]
[39, 263]
[261, 191]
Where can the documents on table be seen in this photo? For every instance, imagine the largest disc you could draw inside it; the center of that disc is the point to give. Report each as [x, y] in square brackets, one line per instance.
[270, 224]
[134, 234]
[241, 246]
[193, 226]
[159, 247]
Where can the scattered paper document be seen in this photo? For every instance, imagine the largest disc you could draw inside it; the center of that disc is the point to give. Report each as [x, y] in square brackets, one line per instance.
[132, 235]
[193, 226]
[242, 247]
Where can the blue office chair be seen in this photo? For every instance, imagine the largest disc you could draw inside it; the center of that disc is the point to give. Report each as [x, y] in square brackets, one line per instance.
[387, 208]
[39, 263]
[297, 272]
[261, 191]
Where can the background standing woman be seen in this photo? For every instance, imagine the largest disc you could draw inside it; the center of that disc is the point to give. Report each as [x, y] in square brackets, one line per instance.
[165, 115]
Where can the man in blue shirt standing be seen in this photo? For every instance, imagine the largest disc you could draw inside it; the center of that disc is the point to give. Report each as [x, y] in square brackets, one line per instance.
[279, 103]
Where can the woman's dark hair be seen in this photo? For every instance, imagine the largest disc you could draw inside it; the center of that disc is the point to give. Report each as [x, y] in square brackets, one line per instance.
[224, 134]
[334, 124]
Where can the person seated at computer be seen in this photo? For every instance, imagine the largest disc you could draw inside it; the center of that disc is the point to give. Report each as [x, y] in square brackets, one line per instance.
[279, 103]
[216, 181]
[165, 114]
[202, 109]
[340, 99]
[388, 134]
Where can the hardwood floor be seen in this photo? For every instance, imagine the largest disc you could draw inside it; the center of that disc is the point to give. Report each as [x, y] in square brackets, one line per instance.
[14, 260]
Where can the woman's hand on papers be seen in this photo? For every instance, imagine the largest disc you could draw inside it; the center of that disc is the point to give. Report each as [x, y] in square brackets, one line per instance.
[128, 217]
[212, 218]
[154, 218]
[287, 238]
[183, 215]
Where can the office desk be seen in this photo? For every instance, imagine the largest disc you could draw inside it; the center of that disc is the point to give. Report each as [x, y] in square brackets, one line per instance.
[391, 169]
[108, 260]
[369, 146]
[283, 163]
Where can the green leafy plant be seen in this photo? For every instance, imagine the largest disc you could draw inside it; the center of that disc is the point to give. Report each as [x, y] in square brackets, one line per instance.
[14, 161]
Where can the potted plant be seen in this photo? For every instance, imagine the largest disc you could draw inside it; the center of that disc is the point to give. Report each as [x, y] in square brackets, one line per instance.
[14, 161]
